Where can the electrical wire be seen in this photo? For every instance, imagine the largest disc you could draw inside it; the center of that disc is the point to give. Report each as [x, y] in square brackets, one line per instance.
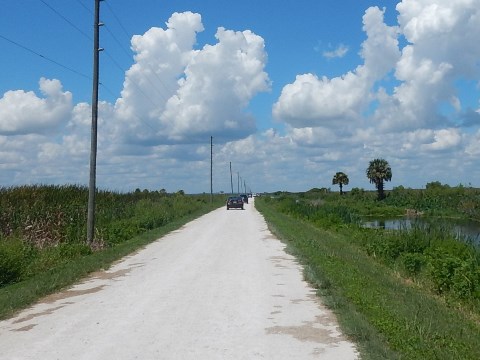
[44, 57]
[147, 78]
[116, 18]
[85, 7]
[68, 21]
[112, 59]
[133, 82]
[128, 54]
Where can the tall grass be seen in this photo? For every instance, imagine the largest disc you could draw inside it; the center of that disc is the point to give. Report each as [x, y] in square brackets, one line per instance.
[43, 227]
[22, 294]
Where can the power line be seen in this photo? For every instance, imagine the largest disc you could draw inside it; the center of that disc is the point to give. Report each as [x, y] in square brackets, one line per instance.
[118, 20]
[64, 18]
[87, 36]
[119, 43]
[123, 70]
[137, 86]
[154, 73]
[133, 82]
[85, 7]
[108, 54]
[67, 21]
[128, 55]
[45, 57]
[54, 62]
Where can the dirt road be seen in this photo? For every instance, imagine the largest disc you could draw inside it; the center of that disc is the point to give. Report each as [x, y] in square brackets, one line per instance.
[221, 287]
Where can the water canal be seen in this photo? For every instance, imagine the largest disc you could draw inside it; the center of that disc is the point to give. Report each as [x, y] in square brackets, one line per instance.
[468, 230]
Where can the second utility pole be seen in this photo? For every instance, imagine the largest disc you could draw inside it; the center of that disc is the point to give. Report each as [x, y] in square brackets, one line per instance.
[211, 169]
[231, 179]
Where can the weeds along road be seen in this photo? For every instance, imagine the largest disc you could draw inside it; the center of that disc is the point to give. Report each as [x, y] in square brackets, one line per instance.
[221, 287]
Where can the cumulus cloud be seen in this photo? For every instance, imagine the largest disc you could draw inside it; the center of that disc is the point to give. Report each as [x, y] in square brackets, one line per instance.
[24, 112]
[184, 95]
[312, 101]
[442, 48]
[220, 81]
[403, 103]
[174, 98]
[161, 56]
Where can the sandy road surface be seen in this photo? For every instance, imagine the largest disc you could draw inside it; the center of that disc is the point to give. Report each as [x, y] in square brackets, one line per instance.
[219, 288]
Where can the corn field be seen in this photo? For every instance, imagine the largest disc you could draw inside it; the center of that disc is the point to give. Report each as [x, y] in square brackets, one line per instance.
[45, 226]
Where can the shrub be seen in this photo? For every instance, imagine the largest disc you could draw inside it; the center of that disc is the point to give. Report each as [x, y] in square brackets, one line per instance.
[466, 280]
[451, 267]
[412, 263]
[11, 260]
[442, 267]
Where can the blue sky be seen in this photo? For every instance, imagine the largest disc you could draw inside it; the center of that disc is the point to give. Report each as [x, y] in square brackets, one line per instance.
[292, 91]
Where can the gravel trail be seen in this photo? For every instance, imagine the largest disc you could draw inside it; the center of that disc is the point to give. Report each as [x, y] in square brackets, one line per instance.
[221, 287]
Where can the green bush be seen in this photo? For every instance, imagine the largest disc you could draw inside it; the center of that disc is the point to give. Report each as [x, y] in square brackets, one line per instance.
[442, 268]
[466, 280]
[11, 261]
[119, 231]
[412, 263]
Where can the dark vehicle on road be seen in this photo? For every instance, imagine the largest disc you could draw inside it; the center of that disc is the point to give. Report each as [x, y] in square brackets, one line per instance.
[245, 198]
[234, 202]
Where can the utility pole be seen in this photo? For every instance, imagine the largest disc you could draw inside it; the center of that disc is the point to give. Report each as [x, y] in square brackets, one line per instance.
[245, 186]
[231, 179]
[93, 150]
[238, 183]
[211, 169]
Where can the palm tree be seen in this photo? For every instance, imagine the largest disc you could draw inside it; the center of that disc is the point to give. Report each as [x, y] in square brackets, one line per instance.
[378, 172]
[341, 179]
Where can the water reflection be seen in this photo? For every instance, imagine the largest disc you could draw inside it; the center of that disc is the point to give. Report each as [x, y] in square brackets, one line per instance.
[462, 229]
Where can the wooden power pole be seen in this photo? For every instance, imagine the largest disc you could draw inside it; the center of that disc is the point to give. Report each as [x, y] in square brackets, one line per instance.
[211, 169]
[231, 179]
[93, 150]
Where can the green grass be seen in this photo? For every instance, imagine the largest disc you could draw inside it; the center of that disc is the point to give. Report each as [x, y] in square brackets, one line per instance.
[23, 294]
[385, 315]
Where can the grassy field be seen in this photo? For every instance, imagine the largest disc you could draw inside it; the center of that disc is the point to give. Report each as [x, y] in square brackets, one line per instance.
[390, 314]
[43, 234]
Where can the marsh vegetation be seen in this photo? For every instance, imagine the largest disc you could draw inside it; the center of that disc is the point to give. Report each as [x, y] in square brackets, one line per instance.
[412, 294]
